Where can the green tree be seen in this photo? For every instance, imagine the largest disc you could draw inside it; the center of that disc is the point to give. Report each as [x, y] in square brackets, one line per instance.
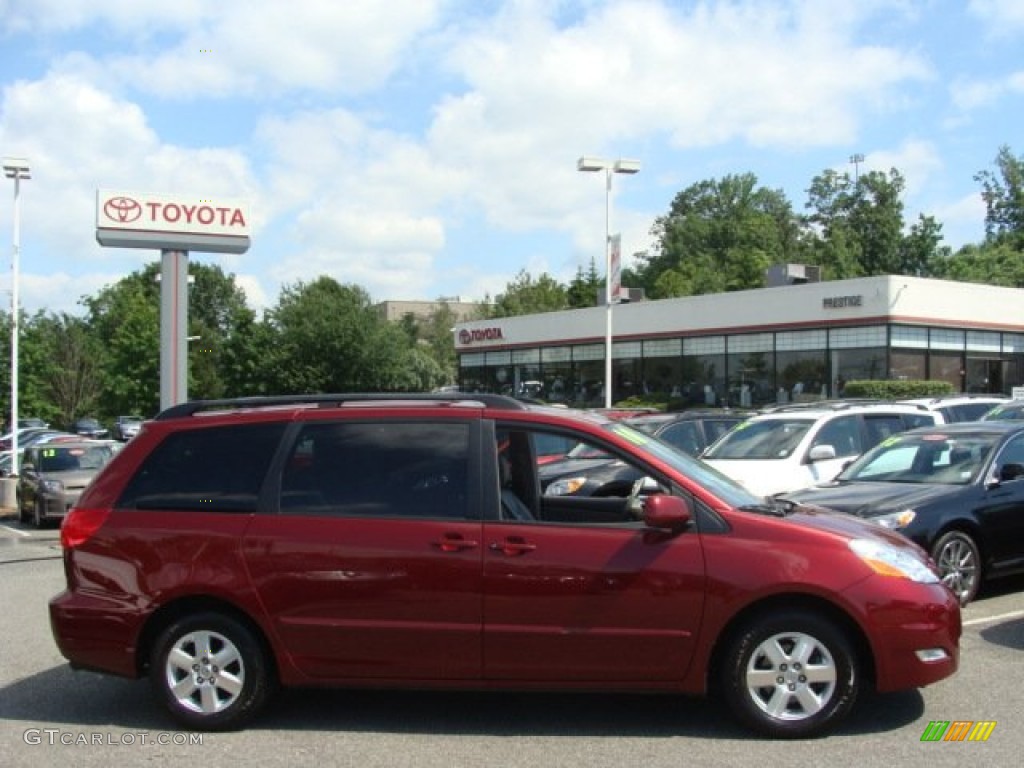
[719, 235]
[858, 229]
[330, 338]
[1003, 193]
[440, 340]
[994, 263]
[124, 318]
[583, 289]
[526, 296]
[62, 368]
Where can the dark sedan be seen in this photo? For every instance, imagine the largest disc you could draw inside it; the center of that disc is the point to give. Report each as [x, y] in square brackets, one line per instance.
[89, 427]
[587, 471]
[956, 490]
[689, 431]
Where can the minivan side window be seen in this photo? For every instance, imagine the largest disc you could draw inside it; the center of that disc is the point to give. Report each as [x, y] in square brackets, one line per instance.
[378, 469]
[214, 469]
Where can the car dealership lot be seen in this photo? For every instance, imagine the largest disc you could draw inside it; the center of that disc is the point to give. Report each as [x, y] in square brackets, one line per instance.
[43, 701]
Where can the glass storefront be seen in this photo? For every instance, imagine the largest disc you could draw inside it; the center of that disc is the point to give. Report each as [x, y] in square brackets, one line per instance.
[752, 369]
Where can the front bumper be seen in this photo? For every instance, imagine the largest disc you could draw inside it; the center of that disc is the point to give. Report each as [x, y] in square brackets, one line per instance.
[914, 632]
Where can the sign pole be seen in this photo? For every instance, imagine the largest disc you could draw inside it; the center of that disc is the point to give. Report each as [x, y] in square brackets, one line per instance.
[173, 328]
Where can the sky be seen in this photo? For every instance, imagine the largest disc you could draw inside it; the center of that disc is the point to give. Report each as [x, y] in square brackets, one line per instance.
[428, 148]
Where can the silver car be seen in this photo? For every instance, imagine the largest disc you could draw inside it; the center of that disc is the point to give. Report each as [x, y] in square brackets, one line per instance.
[53, 476]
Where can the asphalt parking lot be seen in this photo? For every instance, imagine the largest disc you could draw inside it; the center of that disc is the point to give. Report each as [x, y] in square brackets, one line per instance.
[50, 714]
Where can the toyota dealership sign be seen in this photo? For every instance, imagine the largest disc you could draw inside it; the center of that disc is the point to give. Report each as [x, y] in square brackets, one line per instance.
[179, 222]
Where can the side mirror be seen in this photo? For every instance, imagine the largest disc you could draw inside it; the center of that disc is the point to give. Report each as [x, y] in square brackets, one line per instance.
[822, 453]
[666, 512]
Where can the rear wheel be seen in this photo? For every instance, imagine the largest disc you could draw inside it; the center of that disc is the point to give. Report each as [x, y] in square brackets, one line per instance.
[210, 671]
[791, 674]
[959, 562]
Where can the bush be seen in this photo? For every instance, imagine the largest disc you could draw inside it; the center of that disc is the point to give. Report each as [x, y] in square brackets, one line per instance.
[896, 389]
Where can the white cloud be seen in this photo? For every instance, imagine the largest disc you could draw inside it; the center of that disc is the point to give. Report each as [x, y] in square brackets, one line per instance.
[970, 94]
[79, 139]
[963, 220]
[1002, 17]
[226, 49]
[918, 161]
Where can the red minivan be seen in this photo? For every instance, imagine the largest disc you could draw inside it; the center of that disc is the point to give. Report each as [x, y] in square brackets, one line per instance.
[403, 541]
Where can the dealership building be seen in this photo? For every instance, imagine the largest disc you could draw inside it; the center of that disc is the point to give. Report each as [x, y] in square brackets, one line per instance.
[794, 341]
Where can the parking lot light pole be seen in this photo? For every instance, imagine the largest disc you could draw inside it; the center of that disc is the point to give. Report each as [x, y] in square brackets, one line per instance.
[609, 167]
[15, 168]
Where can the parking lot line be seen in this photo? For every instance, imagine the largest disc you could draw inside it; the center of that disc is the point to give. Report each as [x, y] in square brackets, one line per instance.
[1000, 617]
[15, 530]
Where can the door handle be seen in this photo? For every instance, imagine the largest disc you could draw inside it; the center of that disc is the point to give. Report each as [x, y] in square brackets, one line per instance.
[513, 546]
[453, 542]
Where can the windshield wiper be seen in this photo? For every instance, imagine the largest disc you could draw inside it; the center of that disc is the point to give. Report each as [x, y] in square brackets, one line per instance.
[774, 508]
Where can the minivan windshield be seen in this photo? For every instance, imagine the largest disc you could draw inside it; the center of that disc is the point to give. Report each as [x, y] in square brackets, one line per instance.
[761, 439]
[724, 488]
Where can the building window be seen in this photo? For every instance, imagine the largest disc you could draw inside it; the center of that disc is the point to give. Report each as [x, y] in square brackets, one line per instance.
[867, 336]
[907, 336]
[907, 365]
[946, 338]
[799, 340]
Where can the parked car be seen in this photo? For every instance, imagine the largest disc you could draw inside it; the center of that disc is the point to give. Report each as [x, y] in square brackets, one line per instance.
[956, 490]
[690, 431]
[964, 407]
[796, 446]
[24, 433]
[589, 471]
[53, 476]
[126, 427]
[362, 540]
[1012, 410]
[89, 427]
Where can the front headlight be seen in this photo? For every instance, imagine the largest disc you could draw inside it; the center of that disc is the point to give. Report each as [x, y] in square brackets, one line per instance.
[887, 560]
[565, 486]
[51, 486]
[896, 520]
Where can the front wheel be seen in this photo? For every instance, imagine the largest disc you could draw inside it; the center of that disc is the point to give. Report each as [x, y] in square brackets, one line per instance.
[790, 675]
[959, 563]
[210, 671]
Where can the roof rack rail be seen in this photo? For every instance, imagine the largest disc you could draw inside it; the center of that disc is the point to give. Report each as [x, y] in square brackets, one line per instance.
[968, 395]
[192, 407]
[832, 405]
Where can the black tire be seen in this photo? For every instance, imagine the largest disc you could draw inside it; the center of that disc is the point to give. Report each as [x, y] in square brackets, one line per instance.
[959, 562]
[199, 692]
[808, 684]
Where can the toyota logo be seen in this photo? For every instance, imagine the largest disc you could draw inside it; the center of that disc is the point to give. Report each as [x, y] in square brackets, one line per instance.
[465, 337]
[123, 210]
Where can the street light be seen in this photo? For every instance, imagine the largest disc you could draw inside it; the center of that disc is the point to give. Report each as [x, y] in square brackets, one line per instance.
[856, 159]
[587, 163]
[15, 168]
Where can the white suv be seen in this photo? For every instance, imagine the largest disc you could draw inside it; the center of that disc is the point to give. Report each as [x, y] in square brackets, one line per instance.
[796, 446]
[960, 407]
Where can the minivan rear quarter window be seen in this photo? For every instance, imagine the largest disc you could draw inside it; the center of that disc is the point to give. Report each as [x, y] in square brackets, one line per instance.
[213, 469]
